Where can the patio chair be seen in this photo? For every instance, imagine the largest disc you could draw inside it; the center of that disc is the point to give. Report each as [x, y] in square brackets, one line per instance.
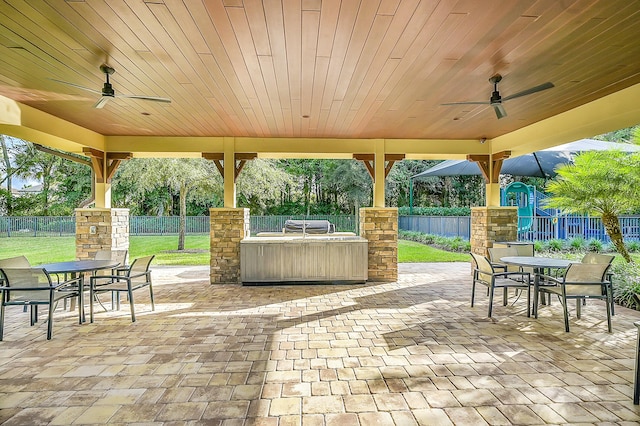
[605, 259]
[138, 275]
[119, 256]
[33, 287]
[484, 273]
[17, 262]
[581, 281]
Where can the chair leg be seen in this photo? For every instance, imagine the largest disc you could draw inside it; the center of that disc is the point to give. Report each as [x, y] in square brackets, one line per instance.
[566, 313]
[2, 317]
[473, 292]
[504, 296]
[608, 301]
[50, 322]
[34, 314]
[153, 306]
[133, 314]
[91, 297]
[579, 302]
[491, 291]
[610, 288]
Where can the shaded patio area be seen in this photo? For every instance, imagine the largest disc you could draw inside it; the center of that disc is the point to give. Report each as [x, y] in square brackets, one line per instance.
[403, 353]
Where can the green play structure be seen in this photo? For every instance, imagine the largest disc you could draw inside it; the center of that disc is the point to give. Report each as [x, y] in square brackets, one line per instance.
[518, 194]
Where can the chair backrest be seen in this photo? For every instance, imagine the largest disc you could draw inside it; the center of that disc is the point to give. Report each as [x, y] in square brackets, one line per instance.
[15, 262]
[483, 265]
[495, 253]
[598, 258]
[140, 265]
[115, 255]
[592, 274]
[30, 284]
[524, 249]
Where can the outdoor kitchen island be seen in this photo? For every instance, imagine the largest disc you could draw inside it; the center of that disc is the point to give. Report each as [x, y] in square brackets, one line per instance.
[271, 258]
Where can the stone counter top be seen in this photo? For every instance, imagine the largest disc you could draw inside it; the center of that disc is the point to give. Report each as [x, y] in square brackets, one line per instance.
[298, 239]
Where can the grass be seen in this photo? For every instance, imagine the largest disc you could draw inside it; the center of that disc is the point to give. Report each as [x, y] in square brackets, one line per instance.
[59, 249]
[412, 252]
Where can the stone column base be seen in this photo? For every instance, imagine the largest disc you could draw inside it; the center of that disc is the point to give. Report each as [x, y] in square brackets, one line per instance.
[379, 225]
[229, 226]
[101, 229]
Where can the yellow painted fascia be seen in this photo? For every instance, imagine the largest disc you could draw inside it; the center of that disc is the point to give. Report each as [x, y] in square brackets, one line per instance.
[164, 146]
[436, 149]
[616, 111]
[24, 122]
[307, 147]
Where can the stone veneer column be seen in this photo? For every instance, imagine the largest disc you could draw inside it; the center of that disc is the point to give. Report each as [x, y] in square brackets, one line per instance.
[379, 225]
[492, 224]
[229, 226]
[101, 229]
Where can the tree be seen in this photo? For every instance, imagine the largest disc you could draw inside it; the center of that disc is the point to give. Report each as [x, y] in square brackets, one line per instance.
[261, 184]
[170, 176]
[604, 183]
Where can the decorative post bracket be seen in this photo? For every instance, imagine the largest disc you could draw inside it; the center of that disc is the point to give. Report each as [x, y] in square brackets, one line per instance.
[490, 165]
[369, 162]
[240, 158]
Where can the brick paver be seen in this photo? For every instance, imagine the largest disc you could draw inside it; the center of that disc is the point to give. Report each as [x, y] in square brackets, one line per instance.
[401, 353]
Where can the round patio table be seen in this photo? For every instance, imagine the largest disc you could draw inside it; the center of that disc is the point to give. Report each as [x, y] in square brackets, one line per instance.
[76, 267]
[539, 264]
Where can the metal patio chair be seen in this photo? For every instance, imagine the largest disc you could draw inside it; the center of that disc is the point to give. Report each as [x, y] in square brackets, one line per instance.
[485, 273]
[581, 281]
[33, 287]
[137, 276]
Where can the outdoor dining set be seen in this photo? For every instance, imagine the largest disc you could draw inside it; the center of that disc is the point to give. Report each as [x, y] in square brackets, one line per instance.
[30, 286]
[514, 266]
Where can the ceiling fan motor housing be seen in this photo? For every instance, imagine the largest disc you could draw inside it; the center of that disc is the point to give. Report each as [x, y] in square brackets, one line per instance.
[107, 90]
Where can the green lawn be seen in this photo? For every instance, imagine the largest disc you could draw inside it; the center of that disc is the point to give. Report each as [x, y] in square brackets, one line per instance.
[58, 249]
[412, 252]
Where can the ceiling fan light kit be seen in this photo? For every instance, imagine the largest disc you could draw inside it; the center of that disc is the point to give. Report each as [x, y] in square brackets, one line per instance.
[108, 92]
[496, 101]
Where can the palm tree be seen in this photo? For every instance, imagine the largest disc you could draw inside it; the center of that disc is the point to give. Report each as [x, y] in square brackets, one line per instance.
[603, 183]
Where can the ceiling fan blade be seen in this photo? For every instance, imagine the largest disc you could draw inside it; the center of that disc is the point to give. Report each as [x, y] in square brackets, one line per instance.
[540, 88]
[77, 86]
[500, 111]
[467, 103]
[102, 102]
[146, 98]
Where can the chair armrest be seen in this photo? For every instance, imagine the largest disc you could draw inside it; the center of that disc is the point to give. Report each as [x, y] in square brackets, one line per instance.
[68, 283]
[551, 278]
[95, 278]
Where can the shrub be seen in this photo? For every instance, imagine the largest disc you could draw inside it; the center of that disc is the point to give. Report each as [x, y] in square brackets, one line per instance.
[633, 246]
[456, 244]
[595, 245]
[577, 244]
[435, 211]
[555, 245]
[626, 283]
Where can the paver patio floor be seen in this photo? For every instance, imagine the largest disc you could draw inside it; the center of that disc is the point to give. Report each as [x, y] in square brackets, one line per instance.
[403, 353]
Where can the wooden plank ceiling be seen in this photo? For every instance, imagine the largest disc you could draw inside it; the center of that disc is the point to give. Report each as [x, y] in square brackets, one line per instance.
[315, 68]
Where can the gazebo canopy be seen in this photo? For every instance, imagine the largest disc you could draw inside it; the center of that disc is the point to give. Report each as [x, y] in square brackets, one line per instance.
[316, 78]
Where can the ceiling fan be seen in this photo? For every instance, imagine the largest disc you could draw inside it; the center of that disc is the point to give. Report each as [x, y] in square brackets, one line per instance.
[496, 100]
[108, 93]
